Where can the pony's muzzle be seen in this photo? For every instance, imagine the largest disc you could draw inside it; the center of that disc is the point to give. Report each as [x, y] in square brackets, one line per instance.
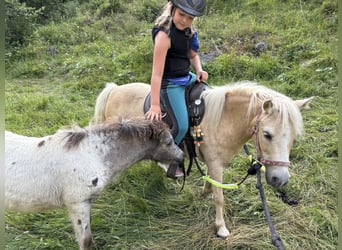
[277, 176]
[177, 157]
[181, 158]
[277, 182]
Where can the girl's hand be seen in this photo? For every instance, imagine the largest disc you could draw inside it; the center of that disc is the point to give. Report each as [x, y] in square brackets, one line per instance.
[201, 76]
[154, 113]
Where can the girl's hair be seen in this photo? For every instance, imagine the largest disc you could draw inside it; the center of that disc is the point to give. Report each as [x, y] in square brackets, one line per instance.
[164, 21]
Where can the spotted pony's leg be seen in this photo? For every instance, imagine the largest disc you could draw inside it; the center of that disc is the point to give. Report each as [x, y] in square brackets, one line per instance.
[80, 216]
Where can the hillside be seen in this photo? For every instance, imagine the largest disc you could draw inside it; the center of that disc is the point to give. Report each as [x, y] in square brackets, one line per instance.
[55, 73]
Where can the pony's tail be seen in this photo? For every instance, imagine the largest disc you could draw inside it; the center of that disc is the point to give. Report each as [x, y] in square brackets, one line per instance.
[100, 105]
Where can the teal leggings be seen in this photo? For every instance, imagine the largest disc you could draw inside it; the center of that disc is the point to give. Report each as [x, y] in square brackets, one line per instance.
[173, 96]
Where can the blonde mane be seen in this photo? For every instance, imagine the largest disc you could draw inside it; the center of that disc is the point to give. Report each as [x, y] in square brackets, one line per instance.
[215, 100]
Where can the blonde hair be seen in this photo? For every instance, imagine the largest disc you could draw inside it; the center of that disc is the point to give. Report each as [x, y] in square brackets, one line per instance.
[164, 21]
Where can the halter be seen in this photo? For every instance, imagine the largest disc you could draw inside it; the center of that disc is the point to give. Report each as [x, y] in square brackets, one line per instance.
[267, 162]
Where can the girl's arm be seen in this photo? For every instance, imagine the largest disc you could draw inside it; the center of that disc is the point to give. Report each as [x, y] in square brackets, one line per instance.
[195, 61]
[161, 45]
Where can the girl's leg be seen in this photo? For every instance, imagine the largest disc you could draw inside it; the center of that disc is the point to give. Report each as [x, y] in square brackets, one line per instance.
[174, 98]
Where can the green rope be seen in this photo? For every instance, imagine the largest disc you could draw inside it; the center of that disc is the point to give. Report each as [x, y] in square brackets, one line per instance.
[232, 185]
[218, 184]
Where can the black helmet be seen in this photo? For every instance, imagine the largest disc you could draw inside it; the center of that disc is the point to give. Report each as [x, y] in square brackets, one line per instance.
[191, 7]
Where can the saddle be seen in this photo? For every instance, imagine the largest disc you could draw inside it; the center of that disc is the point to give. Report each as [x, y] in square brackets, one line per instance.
[196, 109]
[194, 103]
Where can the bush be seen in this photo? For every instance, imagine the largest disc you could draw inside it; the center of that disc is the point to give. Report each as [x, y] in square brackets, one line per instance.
[23, 17]
[147, 10]
[234, 68]
[20, 22]
[53, 10]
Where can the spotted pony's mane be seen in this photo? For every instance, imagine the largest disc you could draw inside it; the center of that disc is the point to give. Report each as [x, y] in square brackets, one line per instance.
[139, 129]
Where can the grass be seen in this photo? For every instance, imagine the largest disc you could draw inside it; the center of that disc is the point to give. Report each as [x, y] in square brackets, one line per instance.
[54, 79]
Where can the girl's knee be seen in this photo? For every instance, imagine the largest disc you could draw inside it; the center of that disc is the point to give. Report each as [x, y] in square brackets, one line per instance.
[181, 134]
[183, 130]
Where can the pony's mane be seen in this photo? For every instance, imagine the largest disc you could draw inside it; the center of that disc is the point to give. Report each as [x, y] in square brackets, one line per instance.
[138, 129]
[215, 101]
[72, 136]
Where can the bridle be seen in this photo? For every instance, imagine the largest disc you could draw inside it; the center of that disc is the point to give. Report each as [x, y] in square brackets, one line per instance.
[267, 162]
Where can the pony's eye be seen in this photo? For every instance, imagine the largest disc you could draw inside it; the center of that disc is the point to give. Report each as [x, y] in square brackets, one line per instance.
[169, 142]
[267, 135]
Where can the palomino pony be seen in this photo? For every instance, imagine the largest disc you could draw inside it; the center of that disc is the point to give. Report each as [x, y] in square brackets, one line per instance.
[233, 114]
[72, 167]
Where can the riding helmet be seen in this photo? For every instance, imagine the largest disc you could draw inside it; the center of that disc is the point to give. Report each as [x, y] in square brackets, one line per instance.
[191, 7]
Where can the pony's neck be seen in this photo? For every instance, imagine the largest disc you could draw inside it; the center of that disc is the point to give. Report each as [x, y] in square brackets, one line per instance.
[116, 155]
[237, 115]
[233, 125]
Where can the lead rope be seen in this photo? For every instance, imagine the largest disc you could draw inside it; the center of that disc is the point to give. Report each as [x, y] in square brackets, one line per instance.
[276, 240]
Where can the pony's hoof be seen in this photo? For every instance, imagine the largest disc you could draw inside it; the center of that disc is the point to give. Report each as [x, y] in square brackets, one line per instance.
[223, 232]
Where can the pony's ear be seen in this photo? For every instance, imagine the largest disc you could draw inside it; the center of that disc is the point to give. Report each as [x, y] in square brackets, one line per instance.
[304, 104]
[267, 106]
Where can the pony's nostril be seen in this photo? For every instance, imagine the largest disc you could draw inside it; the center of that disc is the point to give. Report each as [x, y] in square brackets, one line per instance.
[275, 181]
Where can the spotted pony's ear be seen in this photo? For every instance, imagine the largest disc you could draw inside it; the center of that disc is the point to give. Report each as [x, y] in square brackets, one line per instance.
[304, 103]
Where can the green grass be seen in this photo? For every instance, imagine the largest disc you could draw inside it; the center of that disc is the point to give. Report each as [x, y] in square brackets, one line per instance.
[53, 80]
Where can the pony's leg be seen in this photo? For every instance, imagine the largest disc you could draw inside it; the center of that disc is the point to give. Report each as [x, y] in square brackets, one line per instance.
[80, 216]
[220, 224]
[222, 230]
[207, 190]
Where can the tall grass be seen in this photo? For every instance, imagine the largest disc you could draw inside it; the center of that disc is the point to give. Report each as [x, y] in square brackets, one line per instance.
[55, 78]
